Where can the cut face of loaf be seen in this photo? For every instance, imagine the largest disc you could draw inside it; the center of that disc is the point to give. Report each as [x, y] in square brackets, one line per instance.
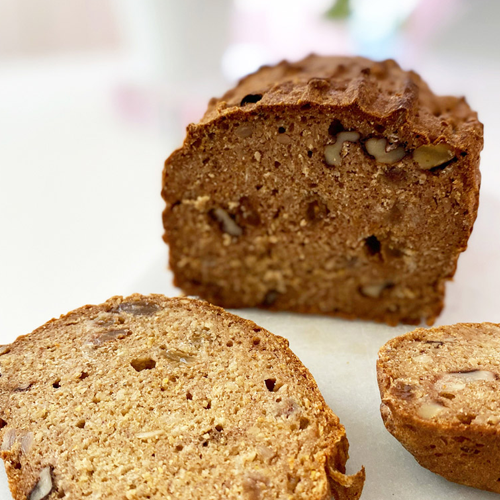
[147, 397]
[440, 398]
[333, 185]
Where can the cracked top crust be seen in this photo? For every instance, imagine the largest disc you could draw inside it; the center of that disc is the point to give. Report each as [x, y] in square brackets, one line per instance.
[263, 205]
[398, 101]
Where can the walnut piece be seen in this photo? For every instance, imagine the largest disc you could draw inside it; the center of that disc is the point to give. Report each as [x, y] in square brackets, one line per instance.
[226, 222]
[432, 155]
[4, 349]
[332, 151]
[24, 438]
[43, 488]
[27, 441]
[244, 131]
[179, 356]
[383, 151]
[430, 410]
[456, 381]
[423, 358]
[447, 384]
[150, 434]
[475, 375]
[9, 438]
[111, 335]
[138, 308]
[373, 291]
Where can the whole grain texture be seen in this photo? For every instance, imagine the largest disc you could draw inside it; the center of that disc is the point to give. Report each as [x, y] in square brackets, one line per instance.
[146, 397]
[332, 185]
[439, 390]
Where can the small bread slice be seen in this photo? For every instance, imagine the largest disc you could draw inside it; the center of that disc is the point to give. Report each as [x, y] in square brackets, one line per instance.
[440, 399]
[148, 397]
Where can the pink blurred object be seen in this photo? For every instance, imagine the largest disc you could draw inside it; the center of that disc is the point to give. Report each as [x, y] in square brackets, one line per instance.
[429, 19]
[266, 32]
[137, 104]
[175, 50]
[41, 27]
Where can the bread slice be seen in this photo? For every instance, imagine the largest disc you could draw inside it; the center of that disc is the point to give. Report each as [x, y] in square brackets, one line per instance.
[332, 185]
[147, 397]
[440, 398]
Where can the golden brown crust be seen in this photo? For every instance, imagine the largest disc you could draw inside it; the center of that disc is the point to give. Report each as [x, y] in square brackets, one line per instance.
[257, 216]
[375, 90]
[344, 487]
[439, 390]
[96, 398]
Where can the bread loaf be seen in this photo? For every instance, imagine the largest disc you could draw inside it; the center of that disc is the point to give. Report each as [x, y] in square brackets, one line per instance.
[332, 185]
[147, 397]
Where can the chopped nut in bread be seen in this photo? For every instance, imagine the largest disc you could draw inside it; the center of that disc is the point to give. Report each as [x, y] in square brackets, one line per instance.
[382, 151]
[431, 156]
[43, 487]
[332, 151]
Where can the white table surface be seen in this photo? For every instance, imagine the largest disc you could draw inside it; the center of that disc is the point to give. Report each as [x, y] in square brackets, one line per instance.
[80, 221]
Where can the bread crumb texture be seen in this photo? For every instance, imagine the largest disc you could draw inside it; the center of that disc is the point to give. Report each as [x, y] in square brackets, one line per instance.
[147, 397]
[440, 398]
[332, 185]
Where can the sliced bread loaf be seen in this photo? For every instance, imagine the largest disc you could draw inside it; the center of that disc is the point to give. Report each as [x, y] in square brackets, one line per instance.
[333, 185]
[147, 397]
[440, 398]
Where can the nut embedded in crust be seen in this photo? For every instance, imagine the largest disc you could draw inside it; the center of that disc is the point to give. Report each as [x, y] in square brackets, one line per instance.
[332, 151]
[9, 438]
[374, 291]
[381, 151]
[430, 156]
[430, 410]
[475, 375]
[43, 488]
[450, 383]
[227, 224]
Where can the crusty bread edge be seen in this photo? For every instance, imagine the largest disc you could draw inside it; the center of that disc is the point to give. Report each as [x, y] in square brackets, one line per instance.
[342, 486]
[424, 438]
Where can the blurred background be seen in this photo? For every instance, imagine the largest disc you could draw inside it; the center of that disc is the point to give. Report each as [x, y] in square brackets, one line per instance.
[95, 94]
